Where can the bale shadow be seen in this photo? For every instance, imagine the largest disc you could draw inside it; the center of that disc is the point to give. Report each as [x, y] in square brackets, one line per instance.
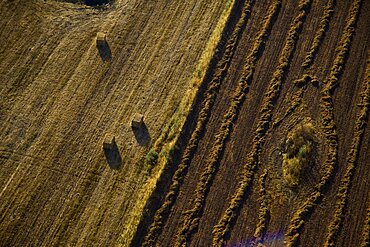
[104, 51]
[113, 156]
[142, 135]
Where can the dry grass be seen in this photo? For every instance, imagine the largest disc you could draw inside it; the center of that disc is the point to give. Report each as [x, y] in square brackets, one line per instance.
[264, 212]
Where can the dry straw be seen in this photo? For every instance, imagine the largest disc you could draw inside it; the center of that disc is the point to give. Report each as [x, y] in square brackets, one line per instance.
[366, 230]
[352, 159]
[263, 213]
[320, 34]
[190, 219]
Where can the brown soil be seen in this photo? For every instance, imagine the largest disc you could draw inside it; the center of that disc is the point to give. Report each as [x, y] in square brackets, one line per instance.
[283, 201]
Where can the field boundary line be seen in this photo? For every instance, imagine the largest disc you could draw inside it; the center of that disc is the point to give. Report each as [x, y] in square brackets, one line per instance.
[167, 142]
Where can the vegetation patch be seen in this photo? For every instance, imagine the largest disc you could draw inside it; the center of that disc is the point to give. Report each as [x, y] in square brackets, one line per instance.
[150, 160]
[298, 152]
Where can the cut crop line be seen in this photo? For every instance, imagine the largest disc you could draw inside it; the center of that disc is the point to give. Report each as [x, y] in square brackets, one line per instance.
[224, 226]
[264, 213]
[329, 129]
[366, 230]
[163, 212]
[352, 160]
[309, 59]
[190, 219]
[320, 33]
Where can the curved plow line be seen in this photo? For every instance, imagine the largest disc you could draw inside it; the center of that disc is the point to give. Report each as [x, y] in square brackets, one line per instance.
[329, 128]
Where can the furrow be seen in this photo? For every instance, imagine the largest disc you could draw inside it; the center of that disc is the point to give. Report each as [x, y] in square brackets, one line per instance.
[222, 229]
[352, 160]
[163, 212]
[320, 33]
[328, 128]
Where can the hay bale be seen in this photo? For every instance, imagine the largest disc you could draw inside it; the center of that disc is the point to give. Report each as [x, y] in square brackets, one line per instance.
[109, 142]
[137, 121]
[101, 39]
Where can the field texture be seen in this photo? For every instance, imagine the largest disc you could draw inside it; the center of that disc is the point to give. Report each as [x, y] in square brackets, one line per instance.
[263, 106]
[288, 67]
[61, 95]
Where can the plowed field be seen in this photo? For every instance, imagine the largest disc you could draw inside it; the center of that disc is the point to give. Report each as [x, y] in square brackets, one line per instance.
[233, 191]
[280, 65]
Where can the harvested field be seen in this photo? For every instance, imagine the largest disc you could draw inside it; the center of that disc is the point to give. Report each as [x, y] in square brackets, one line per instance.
[233, 190]
[221, 86]
[61, 94]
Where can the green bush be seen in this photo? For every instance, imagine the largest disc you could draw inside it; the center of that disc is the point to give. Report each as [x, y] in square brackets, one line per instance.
[151, 158]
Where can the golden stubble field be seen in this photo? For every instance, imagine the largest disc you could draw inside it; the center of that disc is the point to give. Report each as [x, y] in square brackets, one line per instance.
[59, 100]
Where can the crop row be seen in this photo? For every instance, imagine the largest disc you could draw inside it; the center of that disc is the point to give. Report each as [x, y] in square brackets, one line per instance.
[329, 129]
[366, 230]
[264, 213]
[222, 229]
[324, 24]
[190, 219]
[163, 212]
[352, 159]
